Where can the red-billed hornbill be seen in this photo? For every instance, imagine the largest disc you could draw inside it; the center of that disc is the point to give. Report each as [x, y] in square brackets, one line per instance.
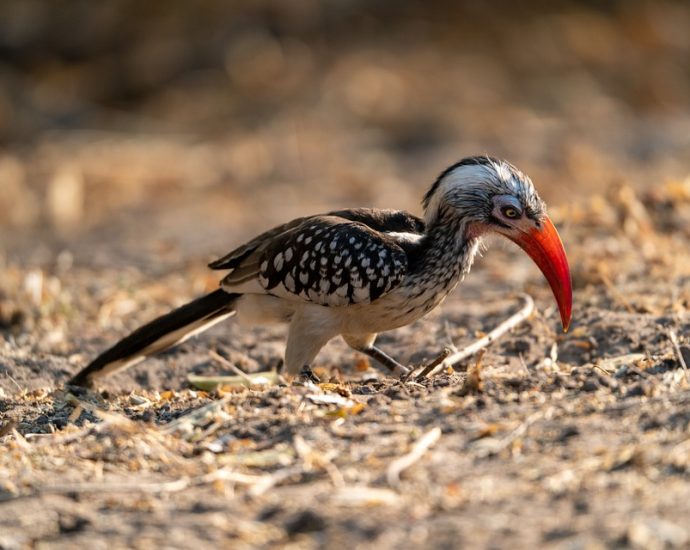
[362, 271]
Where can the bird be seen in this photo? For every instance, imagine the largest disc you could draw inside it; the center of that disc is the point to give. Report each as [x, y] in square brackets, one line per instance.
[362, 271]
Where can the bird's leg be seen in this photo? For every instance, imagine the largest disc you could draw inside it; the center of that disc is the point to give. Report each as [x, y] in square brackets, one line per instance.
[364, 343]
[307, 375]
[384, 359]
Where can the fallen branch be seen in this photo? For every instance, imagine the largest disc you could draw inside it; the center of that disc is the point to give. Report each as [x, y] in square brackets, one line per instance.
[422, 445]
[507, 325]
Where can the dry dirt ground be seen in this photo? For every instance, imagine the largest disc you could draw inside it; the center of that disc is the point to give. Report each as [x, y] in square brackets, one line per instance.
[130, 159]
[577, 440]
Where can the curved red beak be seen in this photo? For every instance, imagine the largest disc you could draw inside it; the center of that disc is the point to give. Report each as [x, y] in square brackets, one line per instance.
[544, 246]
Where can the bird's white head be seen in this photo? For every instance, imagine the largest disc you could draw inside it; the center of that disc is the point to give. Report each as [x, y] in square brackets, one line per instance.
[486, 195]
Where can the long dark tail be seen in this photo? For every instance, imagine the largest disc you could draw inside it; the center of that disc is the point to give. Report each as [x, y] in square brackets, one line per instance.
[161, 333]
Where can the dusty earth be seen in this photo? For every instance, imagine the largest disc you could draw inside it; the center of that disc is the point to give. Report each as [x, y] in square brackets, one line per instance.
[575, 440]
[125, 167]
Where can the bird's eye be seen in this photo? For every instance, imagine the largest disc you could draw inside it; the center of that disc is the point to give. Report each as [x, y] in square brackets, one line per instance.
[510, 212]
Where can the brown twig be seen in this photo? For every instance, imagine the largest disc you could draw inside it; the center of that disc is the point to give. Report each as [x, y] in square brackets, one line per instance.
[510, 323]
[431, 365]
[421, 446]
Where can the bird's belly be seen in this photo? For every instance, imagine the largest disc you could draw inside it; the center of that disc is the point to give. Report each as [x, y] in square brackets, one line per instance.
[255, 309]
[395, 310]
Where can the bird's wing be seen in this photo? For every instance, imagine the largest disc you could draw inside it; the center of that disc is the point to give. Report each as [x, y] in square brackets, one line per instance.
[327, 260]
[375, 218]
[235, 258]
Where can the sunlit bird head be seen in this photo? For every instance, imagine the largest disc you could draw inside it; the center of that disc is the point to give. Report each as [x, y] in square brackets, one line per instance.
[487, 196]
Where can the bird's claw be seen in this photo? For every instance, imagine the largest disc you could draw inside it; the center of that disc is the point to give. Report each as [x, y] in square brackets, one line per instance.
[307, 375]
[402, 372]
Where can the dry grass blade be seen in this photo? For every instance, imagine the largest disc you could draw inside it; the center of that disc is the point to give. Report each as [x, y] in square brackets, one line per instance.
[422, 445]
[473, 382]
[679, 353]
[210, 383]
[223, 361]
[507, 325]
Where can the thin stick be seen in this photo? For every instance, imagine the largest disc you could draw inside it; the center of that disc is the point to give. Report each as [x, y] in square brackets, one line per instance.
[14, 382]
[433, 364]
[674, 340]
[422, 445]
[238, 371]
[510, 323]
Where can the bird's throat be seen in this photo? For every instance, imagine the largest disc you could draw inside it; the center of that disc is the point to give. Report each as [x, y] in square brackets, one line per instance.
[446, 254]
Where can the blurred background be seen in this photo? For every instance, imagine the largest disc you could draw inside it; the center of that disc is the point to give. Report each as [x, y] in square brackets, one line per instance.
[130, 130]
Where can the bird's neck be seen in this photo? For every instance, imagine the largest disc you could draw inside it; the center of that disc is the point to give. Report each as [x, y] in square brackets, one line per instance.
[448, 248]
[440, 261]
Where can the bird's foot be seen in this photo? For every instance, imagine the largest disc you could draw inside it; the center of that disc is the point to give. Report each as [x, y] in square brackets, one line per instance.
[384, 360]
[401, 371]
[307, 375]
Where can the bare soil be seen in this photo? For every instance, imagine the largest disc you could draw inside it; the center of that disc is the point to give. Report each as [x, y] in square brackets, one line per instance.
[113, 204]
[575, 439]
